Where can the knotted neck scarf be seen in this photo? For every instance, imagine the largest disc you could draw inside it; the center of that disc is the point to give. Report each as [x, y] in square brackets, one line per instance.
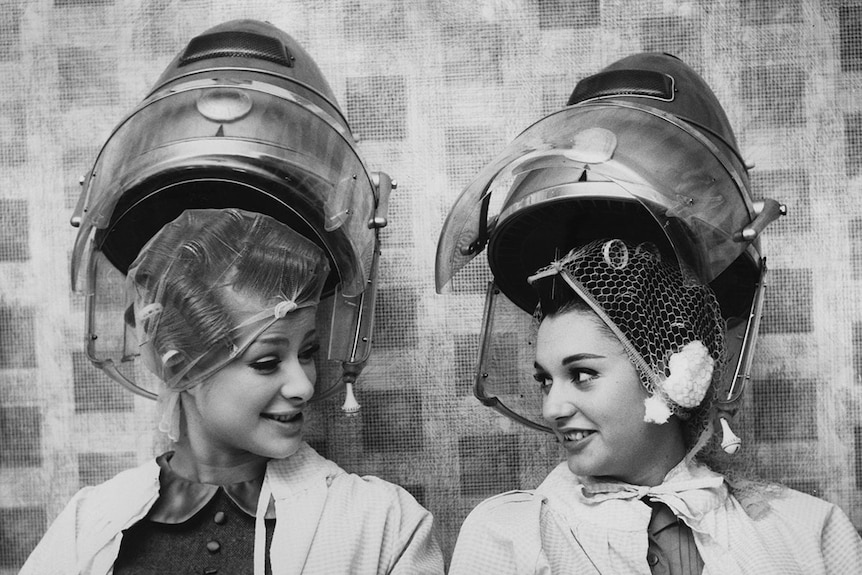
[689, 498]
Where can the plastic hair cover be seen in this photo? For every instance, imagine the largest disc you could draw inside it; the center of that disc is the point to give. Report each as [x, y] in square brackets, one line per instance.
[206, 286]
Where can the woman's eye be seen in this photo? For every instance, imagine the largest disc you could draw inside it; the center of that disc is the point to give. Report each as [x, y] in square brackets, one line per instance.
[543, 380]
[581, 375]
[309, 353]
[577, 376]
[266, 365]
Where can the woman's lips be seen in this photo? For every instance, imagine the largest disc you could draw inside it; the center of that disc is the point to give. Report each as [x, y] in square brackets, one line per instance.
[283, 417]
[575, 436]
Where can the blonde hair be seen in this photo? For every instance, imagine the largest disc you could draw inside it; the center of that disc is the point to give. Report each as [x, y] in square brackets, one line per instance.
[182, 278]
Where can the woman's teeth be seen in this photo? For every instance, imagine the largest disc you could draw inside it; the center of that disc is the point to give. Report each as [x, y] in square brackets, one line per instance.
[577, 435]
[282, 418]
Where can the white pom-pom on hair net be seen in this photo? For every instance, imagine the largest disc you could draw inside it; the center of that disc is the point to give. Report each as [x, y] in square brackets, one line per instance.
[690, 375]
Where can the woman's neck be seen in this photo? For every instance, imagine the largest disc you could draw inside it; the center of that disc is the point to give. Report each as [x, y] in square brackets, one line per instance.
[653, 469]
[656, 474]
[216, 469]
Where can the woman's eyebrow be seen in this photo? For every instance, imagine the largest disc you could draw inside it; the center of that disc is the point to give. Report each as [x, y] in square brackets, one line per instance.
[570, 359]
[580, 357]
[281, 338]
[272, 338]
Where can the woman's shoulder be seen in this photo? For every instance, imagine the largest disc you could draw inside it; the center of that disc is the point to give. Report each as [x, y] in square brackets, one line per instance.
[504, 530]
[519, 505]
[309, 467]
[127, 494]
[792, 504]
[509, 508]
[143, 479]
[804, 525]
[95, 515]
[516, 498]
[372, 492]
[768, 503]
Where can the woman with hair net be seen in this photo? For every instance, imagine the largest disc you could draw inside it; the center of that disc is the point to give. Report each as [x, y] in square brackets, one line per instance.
[222, 303]
[640, 341]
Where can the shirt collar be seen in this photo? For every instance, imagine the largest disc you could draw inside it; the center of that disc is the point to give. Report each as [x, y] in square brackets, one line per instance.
[691, 491]
[180, 499]
[661, 518]
[683, 476]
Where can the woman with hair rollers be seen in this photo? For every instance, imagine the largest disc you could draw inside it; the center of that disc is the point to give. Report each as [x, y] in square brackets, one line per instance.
[223, 306]
[636, 341]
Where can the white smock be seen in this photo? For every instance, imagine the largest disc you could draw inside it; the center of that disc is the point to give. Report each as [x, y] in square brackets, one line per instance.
[327, 521]
[572, 525]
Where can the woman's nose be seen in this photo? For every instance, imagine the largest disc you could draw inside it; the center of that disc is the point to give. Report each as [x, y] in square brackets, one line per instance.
[298, 384]
[557, 404]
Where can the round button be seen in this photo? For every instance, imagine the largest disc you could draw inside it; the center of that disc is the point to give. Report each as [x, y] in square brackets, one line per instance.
[213, 546]
[220, 518]
[652, 559]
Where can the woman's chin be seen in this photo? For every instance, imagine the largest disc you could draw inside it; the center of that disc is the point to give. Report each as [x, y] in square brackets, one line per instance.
[283, 450]
[582, 467]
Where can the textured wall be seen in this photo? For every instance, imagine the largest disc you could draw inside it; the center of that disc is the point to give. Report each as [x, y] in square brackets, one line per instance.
[434, 90]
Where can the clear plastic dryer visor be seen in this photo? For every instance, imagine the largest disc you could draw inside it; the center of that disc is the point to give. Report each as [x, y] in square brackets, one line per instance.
[253, 139]
[697, 194]
[239, 129]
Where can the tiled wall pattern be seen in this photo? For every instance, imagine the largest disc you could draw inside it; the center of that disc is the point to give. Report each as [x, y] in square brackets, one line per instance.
[434, 90]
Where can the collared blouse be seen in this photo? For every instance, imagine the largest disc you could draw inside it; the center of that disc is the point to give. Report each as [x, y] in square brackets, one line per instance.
[573, 525]
[327, 521]
[196, 528]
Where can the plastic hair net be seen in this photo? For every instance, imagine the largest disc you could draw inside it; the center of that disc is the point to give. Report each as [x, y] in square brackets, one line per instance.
[653, 308]
[207, 285]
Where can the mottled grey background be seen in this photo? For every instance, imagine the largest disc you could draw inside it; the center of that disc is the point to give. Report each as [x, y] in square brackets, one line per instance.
[434, 90]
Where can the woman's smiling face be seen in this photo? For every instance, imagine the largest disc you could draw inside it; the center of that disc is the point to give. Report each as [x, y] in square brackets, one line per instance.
[594, 401]
[253, 408]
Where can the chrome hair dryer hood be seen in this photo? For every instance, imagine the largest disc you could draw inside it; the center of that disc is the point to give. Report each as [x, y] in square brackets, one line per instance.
[643, 151]
[242, 117]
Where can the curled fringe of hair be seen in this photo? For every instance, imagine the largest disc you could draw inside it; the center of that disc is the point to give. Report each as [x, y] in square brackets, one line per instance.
[187, 266]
